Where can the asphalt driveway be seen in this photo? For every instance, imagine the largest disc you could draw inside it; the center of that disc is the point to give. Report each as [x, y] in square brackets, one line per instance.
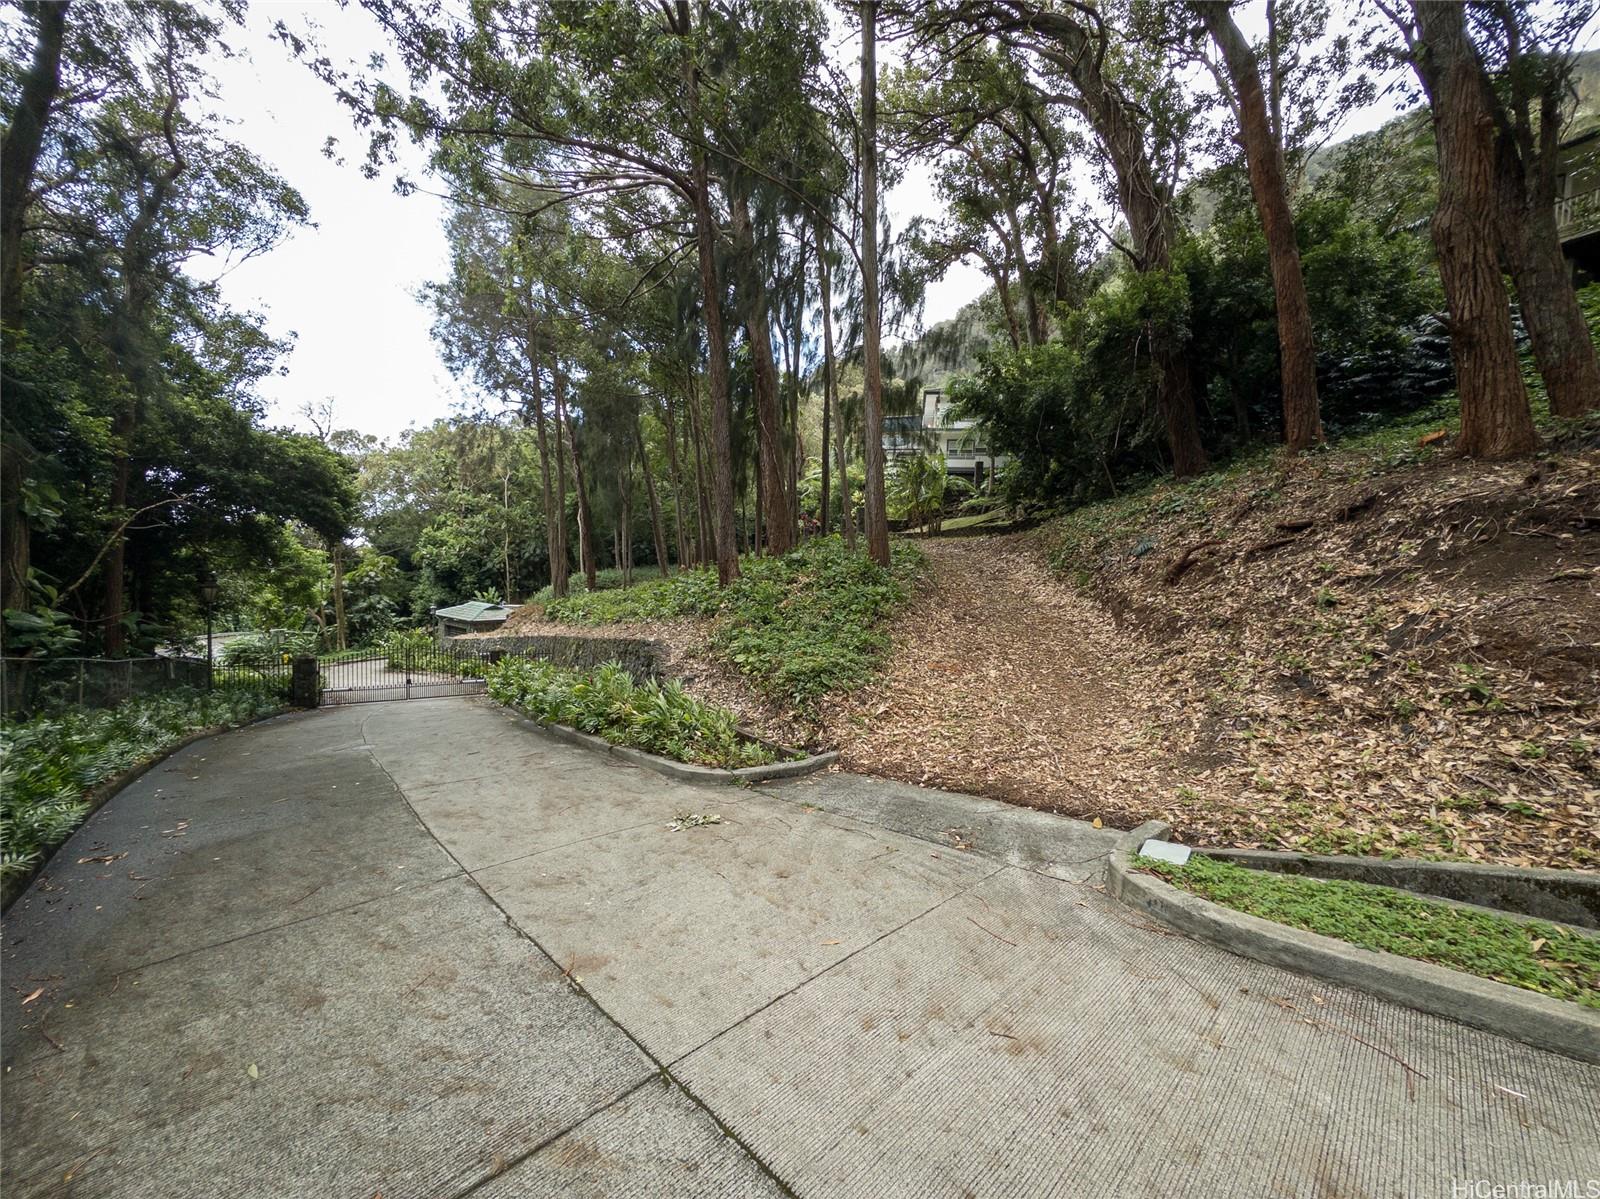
[422, 950]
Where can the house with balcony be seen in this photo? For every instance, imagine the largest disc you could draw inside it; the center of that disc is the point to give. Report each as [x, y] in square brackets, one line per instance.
[1578, 205]
[935, 430]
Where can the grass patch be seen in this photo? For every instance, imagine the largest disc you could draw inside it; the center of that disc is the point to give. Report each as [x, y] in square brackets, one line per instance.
[659, 718]
[49, 763]
[994, 516]
[800, 627]
[1538, 957]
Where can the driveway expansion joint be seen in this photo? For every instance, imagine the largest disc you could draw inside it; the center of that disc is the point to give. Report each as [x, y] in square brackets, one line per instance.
[663, 1070]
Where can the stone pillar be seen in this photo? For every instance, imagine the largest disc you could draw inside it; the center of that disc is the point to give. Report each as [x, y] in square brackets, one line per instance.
[304, 691]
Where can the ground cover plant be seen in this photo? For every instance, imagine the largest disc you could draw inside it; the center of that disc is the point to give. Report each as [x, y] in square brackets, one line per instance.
[691, 593]
[659, 718]
[49, 763]
[799, 627]
[1536, 956]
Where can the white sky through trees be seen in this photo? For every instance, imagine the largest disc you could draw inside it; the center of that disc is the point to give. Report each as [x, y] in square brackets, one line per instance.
[348, 287]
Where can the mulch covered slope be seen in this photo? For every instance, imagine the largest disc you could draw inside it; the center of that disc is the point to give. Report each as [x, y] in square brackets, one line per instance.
[1321, 655]
[1401, 662]
[1002, 682]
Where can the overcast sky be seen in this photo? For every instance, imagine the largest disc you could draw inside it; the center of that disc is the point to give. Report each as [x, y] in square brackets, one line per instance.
[347, 288]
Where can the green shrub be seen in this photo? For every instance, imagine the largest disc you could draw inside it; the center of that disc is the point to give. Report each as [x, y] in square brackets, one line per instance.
[263, 649]
[407, 649]
[807, 625]
[48, 763]
[417, 650]
[658, 718]
[604, 580]
[800, 627]
[693, 593]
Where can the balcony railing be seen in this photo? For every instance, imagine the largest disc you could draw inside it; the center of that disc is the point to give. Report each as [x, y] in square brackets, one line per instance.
[1578, 214]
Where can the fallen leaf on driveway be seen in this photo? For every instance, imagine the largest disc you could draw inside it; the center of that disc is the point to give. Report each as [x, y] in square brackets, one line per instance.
[252, 1070]
[32, 995]
[104, 857]
[835, 941]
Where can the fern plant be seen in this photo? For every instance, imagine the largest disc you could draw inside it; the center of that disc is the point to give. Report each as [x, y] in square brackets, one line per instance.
[606, 702]
[49, 763]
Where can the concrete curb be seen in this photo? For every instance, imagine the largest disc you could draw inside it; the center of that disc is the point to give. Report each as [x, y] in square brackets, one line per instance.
[1526, 1016]
[99, 795]
[684, 771]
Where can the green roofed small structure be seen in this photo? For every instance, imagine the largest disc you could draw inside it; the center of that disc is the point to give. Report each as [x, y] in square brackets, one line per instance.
[474, 617]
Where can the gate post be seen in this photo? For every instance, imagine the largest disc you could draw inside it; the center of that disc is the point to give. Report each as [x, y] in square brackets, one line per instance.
[303, 689]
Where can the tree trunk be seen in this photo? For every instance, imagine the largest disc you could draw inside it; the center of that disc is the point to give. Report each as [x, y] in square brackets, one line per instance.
[721, 448]
[825, 287]
[877, 515]
[755, 535]
[1526, 160]
[797, 446]
[1036, 328]
[536, 393]
[1175, 398]
[1562, 347]
[505, 537]
[586, 556]
[657, 529]
[1495, 419]
[341, 627]
[706, 542]
[560, 565]
[769, 420]
[669, 422]
[113, 584]
[15, 533]
[625, 520]
[1008, 305]
[1302, 418]
[19, 151]
[19, 158]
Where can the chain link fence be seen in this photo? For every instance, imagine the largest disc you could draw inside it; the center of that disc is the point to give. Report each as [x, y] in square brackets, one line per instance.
[29, 685]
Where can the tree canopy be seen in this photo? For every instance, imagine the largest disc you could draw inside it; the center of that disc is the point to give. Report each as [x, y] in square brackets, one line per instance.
[673, 268]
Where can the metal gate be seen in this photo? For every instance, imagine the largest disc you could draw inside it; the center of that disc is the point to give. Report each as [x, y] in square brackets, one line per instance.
[414, 672]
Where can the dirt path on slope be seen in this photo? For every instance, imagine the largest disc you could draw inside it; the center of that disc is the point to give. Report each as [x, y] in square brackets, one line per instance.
[1003, 682]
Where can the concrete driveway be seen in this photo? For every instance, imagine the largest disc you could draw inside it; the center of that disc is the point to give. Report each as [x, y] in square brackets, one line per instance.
[421, 950]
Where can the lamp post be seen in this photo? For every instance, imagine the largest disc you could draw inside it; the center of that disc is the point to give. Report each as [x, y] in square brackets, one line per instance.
[208, 594]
